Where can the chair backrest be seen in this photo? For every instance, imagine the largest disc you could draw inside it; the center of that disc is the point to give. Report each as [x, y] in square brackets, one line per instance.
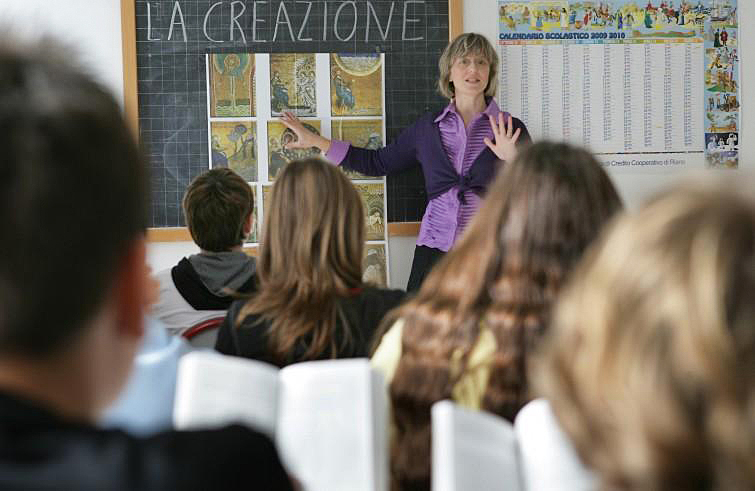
[203, 335]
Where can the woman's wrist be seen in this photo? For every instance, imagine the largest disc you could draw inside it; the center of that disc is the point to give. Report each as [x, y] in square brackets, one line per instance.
[323, 144]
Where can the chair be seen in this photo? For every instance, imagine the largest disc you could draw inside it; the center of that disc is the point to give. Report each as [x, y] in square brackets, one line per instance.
[203, 335]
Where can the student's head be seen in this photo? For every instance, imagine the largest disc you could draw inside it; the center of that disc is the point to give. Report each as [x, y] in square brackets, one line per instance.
[310, 253]
[467, 46]
[218, 206]
[498, 282]
[73, 207]
[650, 361]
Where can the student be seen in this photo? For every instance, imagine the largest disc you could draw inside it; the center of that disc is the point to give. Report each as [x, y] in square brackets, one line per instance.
[71, 314]
[450, 146]
[649, 364]
[468, 333]
[311, 303]
[218, 206]
[145, 405]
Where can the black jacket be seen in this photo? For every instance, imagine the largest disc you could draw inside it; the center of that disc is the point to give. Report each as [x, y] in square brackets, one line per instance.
[40, 451]
[363, 311]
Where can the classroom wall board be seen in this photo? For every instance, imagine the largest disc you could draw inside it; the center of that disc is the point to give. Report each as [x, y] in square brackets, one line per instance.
[641, 85]
[175, 38]
[692, 40]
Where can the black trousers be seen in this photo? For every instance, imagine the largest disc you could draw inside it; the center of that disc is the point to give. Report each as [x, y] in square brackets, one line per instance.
[424, 260]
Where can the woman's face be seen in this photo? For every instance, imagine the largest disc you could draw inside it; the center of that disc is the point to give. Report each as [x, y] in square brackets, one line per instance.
[469, 74]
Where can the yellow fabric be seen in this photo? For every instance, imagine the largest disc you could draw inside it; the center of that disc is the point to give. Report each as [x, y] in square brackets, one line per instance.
[470, 388]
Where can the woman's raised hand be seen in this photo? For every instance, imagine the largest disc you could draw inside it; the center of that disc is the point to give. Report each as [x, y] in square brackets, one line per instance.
[505, 138]
[304, 137]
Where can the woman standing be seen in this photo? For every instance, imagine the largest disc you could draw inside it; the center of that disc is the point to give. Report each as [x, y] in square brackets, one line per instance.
[459, 149]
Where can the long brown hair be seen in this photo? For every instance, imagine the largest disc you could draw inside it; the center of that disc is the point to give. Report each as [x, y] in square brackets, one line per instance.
[310, 256]
[649, 364]
[539, 216]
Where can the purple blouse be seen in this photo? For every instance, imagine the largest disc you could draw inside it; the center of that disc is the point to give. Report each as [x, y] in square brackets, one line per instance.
[447, 214]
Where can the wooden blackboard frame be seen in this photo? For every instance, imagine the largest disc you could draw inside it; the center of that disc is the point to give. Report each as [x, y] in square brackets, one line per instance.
[131, 107]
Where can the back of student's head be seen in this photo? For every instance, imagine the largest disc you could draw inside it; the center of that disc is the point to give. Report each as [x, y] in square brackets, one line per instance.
[540, 214]
[311, 254]
[73, 197]
[217, 206]
[650, 362]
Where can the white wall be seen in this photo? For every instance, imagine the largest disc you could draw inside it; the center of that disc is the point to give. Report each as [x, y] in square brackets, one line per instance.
[635, 185]
[163, 255]
[91, 27]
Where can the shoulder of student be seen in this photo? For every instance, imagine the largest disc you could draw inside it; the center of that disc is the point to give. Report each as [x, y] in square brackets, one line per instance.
[228, 458]
[234, 311]
[173, 310]
[373, 297]
[229, 340]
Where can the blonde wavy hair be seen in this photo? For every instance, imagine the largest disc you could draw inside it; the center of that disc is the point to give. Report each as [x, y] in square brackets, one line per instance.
[466, 44]
[650, 361]
[310, 257]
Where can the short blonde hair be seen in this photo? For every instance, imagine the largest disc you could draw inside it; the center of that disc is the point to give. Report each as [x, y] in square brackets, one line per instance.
[651, 355]
[463, 45]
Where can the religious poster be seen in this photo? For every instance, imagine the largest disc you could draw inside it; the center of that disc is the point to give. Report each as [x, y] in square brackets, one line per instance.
[265, 202]
[278, 138]
[232, 85]
[267, 189]
[641, 84]
[339, 96]
[234, 145]
[363, 133]
[374, 266]
[292, 84]
[722, 86]
[373, 198]
[253, 234]
[356, 84]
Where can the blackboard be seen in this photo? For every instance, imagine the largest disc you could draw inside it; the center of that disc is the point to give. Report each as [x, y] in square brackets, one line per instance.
[173, 37]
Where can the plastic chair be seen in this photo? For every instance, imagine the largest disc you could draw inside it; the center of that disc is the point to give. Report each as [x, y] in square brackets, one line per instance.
[203, 335]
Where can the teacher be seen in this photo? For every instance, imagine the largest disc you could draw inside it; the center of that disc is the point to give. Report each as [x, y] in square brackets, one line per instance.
[460, 149]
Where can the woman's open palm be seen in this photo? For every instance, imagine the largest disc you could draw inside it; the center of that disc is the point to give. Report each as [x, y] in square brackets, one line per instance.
[504, 145]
